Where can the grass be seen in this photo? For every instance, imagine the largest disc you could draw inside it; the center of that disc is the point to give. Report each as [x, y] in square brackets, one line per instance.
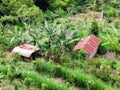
[39, 74]
[28, 77]
[72, 76]
[42, 82]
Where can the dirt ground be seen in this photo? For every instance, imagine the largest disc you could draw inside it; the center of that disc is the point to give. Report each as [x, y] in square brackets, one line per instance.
[61, 81]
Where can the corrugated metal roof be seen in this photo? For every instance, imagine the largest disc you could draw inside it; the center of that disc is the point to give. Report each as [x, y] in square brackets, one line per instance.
[25, 50]
[89, 44]
[81, 43]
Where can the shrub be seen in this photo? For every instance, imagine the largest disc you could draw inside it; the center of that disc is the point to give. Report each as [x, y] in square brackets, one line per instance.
[111, 11]
[49, 15]
[58, 3]
[94, 28]
[60, 12]
[8, 20]
[24, 13]
[16, 11]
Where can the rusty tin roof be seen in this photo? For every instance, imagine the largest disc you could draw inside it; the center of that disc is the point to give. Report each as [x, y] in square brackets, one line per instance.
[89, 44]
[25, 50]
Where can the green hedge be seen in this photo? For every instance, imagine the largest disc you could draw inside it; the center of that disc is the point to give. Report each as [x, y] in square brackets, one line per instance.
[14, 11]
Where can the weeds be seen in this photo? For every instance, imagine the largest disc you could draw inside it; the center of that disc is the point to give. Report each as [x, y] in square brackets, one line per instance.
[73, 76]
[42, 82]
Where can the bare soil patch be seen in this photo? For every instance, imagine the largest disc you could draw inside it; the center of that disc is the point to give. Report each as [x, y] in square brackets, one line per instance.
[110, 55]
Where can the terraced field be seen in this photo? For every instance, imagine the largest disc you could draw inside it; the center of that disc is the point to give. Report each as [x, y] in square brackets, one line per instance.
[55, 30]
[48, 75]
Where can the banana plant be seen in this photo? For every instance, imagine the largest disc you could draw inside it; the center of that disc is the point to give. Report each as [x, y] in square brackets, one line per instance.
[107, 39]
[16, 36]
[116, 33]
[92, 5]
[53, 33]
[57, 42]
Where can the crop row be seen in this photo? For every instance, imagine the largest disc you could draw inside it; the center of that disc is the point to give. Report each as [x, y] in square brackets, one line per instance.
[72, 76]
[30, 78]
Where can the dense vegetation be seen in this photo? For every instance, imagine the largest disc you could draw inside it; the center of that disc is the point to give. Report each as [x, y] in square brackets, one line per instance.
[55, 26]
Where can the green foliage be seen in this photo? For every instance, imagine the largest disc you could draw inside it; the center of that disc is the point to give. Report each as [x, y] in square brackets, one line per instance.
[16, 11]
[8, 20]
[41, 66]
[59, 3]
[60, 12]
[16, 57]
[51, 38]
[12, 6]
[49, 15]
[81, 54]
[27, 81]
[118, 66]
[111, 11]
[73, 10]
[107, 37]
[2, 51]
[5, 70]
[24, 13]
[92, 5]
[95, 63]
[42, 82]
[105, 70]
[74, 76]
[94, 28]
[11, 38]
[117, 24]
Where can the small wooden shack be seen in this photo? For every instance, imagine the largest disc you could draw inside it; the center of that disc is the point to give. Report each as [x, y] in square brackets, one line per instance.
[89, 44]
[25, 50]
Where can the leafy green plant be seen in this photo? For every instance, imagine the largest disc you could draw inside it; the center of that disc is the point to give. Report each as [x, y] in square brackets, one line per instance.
[28, 81]
[107, 37]
[95, 63]
[8, 20]
[49, 15]
[60, 12]
[105, 70]
[118, 66]
[52, 39]
[25, 14]
[15, 11]
[2, 51]
[17, 34]
[59, 3]
[117, 24]
[92, 5]
[41, 66]
[5, 70]
[94, 28]
[16, 57]
[111, 11]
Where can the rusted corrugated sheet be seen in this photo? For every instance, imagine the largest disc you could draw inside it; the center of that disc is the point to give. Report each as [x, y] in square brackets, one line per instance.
[89, 44]
[25, 50]
[81, 43]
